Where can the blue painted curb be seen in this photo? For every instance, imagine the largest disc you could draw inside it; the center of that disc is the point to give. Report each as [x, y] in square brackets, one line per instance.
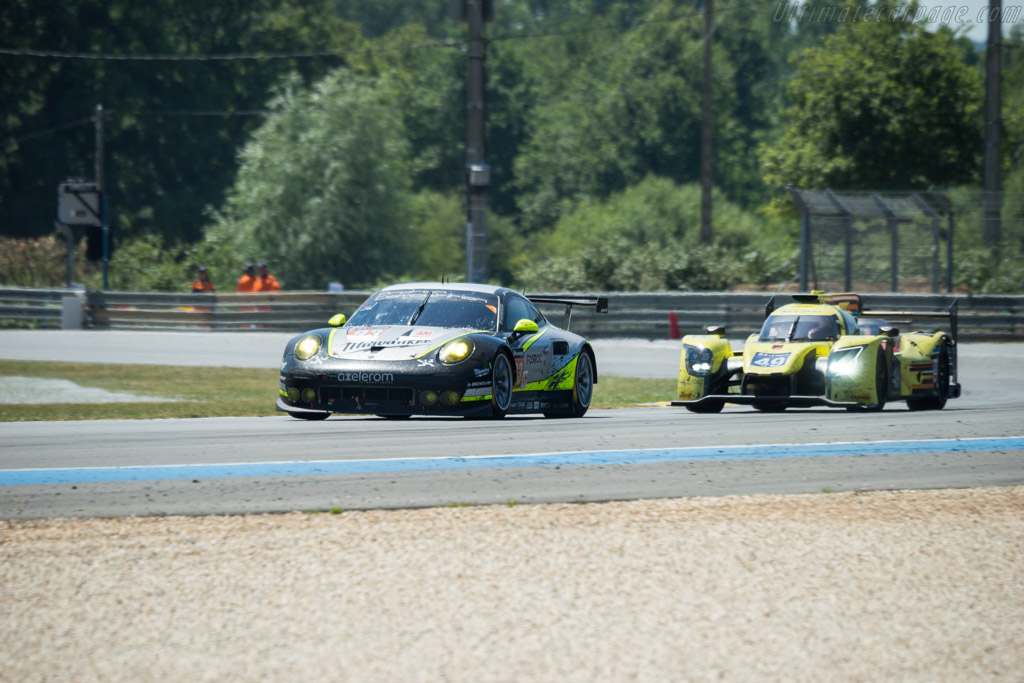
[573, 459]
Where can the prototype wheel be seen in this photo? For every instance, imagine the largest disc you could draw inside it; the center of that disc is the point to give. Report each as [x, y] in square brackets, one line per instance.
[501, 386]
[707, 407]
[942, 377]
[310, 416]
[881, 381]
[881, 386]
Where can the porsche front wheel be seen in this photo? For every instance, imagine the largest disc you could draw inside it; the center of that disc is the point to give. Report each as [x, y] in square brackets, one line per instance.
[501, 385]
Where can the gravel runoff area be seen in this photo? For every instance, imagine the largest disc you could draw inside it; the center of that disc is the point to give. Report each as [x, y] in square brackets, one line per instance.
[903, 585]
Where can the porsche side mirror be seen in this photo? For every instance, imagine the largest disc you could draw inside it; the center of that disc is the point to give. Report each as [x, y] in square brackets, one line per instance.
[524, 326]
[337, 320]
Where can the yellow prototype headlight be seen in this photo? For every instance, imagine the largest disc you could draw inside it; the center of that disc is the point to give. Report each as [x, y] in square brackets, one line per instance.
[456, 350]
[844, 362]
[308, 346]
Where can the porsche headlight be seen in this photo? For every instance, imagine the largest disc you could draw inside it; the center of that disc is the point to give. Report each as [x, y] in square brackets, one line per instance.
[843, 362]
[308, 346]
[456, 350]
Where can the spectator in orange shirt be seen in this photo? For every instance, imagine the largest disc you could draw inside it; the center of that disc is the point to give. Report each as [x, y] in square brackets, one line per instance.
[202, 284]
[247, 283]
[266, 282]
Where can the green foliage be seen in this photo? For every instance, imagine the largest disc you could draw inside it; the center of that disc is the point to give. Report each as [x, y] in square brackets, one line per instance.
[623, 106]
[593, 123]
[322, 192]
[985, 271]
[423, 86]
[146, 264]
[41, 262]
[982, 269]
[647, 238]
[879, 105]
[438, 237]
[171, 128]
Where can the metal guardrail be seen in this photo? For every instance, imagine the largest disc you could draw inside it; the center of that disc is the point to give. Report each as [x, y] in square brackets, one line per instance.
[650, 315]
[32, 308]
[284, 311]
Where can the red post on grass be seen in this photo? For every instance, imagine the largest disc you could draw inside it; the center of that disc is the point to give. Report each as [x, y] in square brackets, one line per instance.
[673, 325]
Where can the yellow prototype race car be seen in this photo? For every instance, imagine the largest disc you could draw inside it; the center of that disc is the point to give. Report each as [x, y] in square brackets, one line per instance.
[823, 350]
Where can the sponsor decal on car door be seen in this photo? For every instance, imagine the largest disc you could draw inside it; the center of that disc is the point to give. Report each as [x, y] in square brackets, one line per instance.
[533, 359]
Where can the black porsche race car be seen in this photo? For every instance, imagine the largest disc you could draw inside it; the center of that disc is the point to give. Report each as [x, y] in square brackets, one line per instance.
[441, 349]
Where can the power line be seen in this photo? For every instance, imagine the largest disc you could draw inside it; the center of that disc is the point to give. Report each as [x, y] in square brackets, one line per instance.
[200, 112]
[311, 54]
[55, 129]
[256, 56]
[181, 113]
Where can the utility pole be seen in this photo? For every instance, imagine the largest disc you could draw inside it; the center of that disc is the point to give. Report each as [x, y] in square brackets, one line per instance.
[104, 229]
[705, 129]
[477, 172]
[991, 230]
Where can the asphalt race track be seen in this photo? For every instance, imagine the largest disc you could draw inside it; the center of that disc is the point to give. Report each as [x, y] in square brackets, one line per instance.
[274, 464]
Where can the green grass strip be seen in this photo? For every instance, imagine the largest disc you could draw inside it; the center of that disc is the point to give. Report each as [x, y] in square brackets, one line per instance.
[221, 392]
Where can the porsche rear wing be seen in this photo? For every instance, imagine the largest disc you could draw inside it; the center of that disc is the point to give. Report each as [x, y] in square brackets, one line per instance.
[951, 314]
[600, 305]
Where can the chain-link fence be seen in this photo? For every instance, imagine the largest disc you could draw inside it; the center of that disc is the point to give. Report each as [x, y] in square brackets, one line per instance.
[875, 241]
[914, 242]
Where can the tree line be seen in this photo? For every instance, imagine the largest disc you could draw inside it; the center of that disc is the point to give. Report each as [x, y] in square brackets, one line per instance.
[326, 137]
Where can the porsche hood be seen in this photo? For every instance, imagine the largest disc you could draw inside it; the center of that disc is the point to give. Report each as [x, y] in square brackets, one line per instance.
[390, 342]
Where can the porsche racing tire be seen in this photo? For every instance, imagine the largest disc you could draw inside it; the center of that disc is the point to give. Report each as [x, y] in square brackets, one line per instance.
[937, 402]
[582, 388]
[583, 385]
[310, 416]
[502, 382]
[707, 407]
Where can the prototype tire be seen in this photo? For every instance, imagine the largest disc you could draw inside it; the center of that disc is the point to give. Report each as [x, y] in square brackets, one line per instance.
[501, 386]
[310, 416]
[881, 386]
[942, 377]
[707, 407]
[881, 381]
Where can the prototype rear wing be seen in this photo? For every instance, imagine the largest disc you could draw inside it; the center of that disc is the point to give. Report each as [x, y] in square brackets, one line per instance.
[951, 315]
[600, 305]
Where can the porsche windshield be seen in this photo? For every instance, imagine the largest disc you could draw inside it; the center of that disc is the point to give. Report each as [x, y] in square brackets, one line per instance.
[784, 328]
[429, 308]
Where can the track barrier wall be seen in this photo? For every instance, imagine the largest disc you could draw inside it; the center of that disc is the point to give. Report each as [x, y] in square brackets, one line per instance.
[644, 315]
